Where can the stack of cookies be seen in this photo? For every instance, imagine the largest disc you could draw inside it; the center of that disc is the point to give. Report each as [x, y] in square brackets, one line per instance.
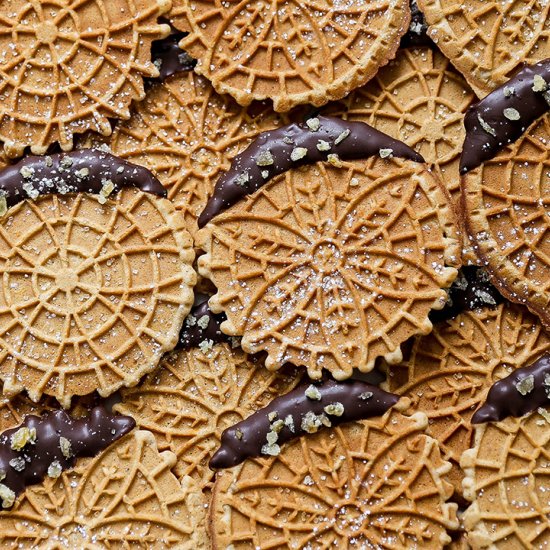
[274, 274]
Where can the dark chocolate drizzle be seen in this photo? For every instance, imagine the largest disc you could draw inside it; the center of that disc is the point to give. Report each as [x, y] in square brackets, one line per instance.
[168, 57]
[246, 438]
[504, 398]
[470, 290]
[87, 436]
[192, 332]
[417, 35]
[479, 144]
[363, 141]
[82, 171]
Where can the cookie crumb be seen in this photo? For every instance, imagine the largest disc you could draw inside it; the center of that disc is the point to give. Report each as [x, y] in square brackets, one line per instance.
[526, 385]
[313, 124]
[312, 392]
[22, 437]
[298, 153]
[511, 114]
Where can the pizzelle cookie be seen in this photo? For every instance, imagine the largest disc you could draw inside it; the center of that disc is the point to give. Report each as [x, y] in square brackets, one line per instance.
[95, 287]
[333, 264]
[125, 496]
[488, 41]
[68, 67]
[186, 134]
[448, 373]
[419, 99]
[369, 484]
[199, 391]
[290, 52]
[505, 188]
[506, 479]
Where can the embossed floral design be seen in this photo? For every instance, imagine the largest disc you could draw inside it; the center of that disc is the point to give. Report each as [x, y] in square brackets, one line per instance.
[67, 65]
[371, 484]
[332, 266]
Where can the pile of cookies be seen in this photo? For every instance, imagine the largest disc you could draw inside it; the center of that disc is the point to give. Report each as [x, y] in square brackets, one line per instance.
[274, 274]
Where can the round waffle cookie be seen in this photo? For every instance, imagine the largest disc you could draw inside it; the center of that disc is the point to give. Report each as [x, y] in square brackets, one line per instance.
[372, 484]
[186, 134]
[420, 99]
[448, 373]
[94, 290]
[507, 479]
[291, 52]
[126, 496]
[333, 264]
[195, 394]
[488, 41]
[67, 67]
[507, 208]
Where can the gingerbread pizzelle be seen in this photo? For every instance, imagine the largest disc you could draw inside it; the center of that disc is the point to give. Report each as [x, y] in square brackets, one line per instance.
[67, 68]
[375, 483]
[96, 286]
[329, 265]
[295, 53]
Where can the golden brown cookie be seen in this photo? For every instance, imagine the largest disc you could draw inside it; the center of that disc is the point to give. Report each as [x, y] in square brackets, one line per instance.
[195, 394]
[377, 483]
[68, 67]
[95, 286]
[506, 209]
[126, 496]
[333, 265]
[290, 52]
[448, 373]
[420, 99]
[507, 479]
[487, 41]
[186, 134]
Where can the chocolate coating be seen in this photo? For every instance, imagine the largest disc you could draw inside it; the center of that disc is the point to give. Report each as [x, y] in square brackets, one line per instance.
[505, 400]
[245, 175]
[169, 58]
[82, 171]
[479, 144]
[193, 333]
[235, 448]
[470, 290]
[87, 436]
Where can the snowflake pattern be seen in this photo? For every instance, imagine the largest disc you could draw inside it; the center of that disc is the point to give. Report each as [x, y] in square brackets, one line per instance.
[507, 480]
[187, 135]
[448, 373]
[67, 65]
[92, 294]
[370, 484]
[125, 497]
[331, 267]
[195, 395]
[507, 215]
[291, 52]
[487, 41]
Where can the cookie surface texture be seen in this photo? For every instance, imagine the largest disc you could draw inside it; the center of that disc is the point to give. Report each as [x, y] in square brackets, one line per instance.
[93, 294]
[488, 41]
[187, 134]
[420, 99]
[71, 66]
[507, 480]
[448, 373]
[507, 208]
[195, 395]
[291, 52]
[369, 484]
[126, 496]
[331, 266]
